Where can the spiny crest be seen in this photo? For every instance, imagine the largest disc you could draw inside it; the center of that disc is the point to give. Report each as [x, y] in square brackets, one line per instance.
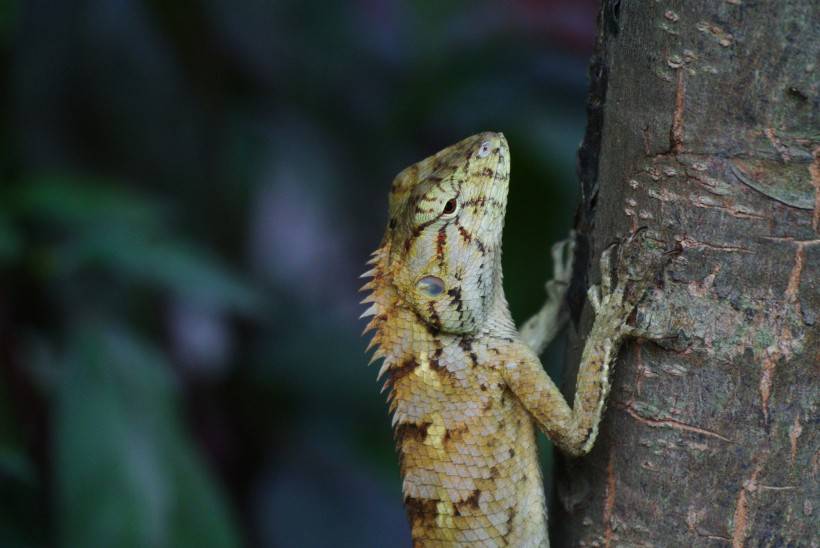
[377, 296]
[398, 334]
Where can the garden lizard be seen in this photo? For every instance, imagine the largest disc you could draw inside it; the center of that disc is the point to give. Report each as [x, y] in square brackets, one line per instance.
[466, 389]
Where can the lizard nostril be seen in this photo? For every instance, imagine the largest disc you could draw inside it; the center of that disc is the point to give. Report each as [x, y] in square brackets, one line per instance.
[484, 150]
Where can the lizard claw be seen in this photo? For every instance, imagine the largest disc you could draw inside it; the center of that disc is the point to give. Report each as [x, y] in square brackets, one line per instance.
[637, 262]
[562, 254]
[539, 330]
[594, 296]
[606, 269]
[640, 260]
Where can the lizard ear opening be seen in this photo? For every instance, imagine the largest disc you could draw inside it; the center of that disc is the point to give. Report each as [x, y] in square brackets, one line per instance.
[430, 286]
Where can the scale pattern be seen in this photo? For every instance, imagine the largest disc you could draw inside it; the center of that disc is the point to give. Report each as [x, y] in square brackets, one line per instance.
[465, 392]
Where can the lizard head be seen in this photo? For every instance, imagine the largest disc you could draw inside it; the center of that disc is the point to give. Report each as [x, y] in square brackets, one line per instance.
[442, 249]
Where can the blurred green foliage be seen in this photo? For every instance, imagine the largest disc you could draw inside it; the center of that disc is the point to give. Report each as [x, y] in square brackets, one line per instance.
[127, 475]
[97, 225]
[188, 192]
[125, 471]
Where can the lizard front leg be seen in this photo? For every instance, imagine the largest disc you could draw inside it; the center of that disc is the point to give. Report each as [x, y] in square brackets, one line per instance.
[541, 329]
[574, 429]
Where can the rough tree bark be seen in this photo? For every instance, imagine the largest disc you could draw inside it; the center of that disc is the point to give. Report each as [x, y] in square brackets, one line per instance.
[704, 127]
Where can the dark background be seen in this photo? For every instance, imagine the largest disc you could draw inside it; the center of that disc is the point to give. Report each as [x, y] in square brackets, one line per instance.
[188, 192]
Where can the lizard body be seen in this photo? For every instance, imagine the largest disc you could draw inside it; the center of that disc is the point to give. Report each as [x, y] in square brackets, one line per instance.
[466, 390]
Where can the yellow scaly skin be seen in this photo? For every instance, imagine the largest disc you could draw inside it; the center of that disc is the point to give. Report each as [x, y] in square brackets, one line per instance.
[465, 389]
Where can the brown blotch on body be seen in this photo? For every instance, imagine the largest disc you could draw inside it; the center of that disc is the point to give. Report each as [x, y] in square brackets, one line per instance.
[472, 500]
[406, 367]
[408, 431]
[466, 344]
[435, 364]
[454, 434]
[431, 329]
[419, 509]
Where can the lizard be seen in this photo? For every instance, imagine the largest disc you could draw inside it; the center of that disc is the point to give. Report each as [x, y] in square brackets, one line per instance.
[466, 389]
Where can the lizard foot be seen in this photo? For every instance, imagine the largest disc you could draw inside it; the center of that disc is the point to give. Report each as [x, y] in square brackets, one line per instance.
[562, 253]
[628, 269]
[539, 330]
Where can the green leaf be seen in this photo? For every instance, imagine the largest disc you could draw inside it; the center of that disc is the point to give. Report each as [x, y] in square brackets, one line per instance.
[21, 520]
[84, 201]
[122, 233]
[9, 15]
[10, 241]
[178, 267]
[14, 464]
[127, 474]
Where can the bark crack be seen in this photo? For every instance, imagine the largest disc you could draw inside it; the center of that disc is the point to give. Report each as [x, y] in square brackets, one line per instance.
[794, 436]
[687, 242]
[609, 504]
[669, 423]
[676, 133]
[740, 520]
[814, 170]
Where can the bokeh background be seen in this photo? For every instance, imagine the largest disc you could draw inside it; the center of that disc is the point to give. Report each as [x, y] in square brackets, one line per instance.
[188, 192]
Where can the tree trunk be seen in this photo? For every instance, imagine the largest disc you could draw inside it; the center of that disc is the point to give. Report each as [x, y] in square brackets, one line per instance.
[703, 127]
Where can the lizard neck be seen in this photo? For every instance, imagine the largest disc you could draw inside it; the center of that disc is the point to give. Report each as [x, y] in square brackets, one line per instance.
[499, 322]
[402, 336]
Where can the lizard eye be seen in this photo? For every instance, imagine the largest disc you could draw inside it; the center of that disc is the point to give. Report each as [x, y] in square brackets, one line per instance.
[450, 206]
[431, 286]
